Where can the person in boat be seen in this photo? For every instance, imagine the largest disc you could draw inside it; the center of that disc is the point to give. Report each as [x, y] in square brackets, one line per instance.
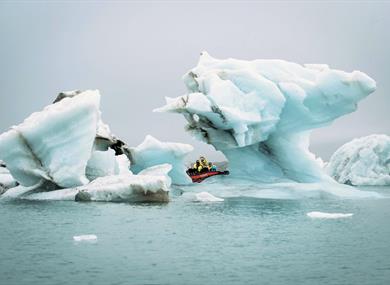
[212, 167]
[201, 166]
[204, 164]
[195, 168]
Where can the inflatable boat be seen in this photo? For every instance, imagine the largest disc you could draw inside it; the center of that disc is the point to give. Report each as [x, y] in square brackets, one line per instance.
[199, 177]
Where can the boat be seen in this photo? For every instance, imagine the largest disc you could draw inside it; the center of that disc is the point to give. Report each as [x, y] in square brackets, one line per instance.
[199, 177]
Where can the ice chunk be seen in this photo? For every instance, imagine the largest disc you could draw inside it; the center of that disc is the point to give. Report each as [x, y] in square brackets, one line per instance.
[57, 195]
[157, 170]
[363, 161]
[152, 152]
[259, 113]
[152, 186]
[102, 163]
[322, 215]
[207, 197]
[21, 191]
[54, 144]
[88, 238]
[6, 179]
[128, 188]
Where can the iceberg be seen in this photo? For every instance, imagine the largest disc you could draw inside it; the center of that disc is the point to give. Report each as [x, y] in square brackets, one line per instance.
[66, 152]
[259, 113]
[362, 162]
[125, 188]
[53, 145]
[150, 185]
[152, 152]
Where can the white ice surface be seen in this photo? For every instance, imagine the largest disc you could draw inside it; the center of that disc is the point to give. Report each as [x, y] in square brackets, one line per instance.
[120, 188]
[54, 144]
[228, 186]
[7, 180]
[363, 161]
[159, 170]
[87, 238]
[153, 152]
[116, 188]
[322, 215]
[102, 163]
[207, 197]
[123, 164]
[21, 191]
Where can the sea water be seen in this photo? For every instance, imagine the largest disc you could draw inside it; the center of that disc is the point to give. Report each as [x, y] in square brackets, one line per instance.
[237, 241]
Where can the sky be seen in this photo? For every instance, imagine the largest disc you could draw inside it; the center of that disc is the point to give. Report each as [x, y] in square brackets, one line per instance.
[136, 53]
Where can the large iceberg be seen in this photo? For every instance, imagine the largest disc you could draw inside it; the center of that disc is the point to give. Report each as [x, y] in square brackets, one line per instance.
[153, 152]
[53, 145]
[67, 146]
[260, 113]
[362, 161]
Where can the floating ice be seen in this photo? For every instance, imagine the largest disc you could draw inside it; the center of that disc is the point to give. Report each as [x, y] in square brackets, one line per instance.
[231, 186]
[322, 215]
[88, 238]
[126, 188]
[207, 197]
[68, 146]
[259, 113]
[150, 186]
[363, 161]
[55, 144]
[153, 152]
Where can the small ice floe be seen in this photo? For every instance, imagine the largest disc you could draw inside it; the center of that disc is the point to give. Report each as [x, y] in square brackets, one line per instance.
[207, 197]
[86, 238]
[322, 215]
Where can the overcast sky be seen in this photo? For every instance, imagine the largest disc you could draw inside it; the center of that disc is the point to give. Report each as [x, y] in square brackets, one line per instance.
[135, 53]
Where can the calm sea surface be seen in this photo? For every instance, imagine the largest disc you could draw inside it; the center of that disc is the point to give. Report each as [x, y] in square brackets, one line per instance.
[238, 241]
